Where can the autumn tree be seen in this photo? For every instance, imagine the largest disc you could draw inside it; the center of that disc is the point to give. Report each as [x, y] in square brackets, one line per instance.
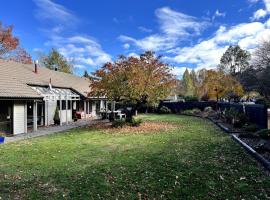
[20, 55]
[8, 42]
[56, 60]
[9, 46]
[234, 61]
[142, 80]
[218, 85]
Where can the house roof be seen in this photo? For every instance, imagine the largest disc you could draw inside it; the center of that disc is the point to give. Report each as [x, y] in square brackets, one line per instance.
[16, 78]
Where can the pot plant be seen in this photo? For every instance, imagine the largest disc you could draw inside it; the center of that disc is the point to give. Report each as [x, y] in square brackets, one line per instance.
[56, 117]
[2, 137]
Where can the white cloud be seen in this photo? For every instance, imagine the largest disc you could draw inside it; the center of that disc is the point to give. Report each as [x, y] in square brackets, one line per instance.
[79, 66]
[179, 71]
[146, 30]
[218, 14]
[174, 26]
[177, 23]
[207, 53]
[153, 42]
[132, 54]
[261, 13]
[53, 12]
[83, 50]
[126, 46]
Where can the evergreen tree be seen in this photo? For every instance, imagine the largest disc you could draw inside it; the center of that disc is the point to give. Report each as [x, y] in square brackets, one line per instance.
[188, 84]
[57, 60]
[85, 74]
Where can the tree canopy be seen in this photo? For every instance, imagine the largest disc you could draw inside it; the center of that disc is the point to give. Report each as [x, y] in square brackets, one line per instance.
[142, 80]
[10, 48]
[56, 60]
[85, 74]
[218, 85]
[189, 83]
[256, 77]
[235, 60]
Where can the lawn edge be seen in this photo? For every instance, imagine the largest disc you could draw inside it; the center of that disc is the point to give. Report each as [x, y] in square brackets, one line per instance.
[265, 163]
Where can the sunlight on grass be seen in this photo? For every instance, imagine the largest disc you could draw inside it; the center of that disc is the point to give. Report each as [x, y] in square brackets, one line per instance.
[192, 162]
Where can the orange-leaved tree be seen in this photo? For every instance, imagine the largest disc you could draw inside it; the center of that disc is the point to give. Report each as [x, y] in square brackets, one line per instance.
[9, 46]
[7, 41]
[217, 84]
[139, 80]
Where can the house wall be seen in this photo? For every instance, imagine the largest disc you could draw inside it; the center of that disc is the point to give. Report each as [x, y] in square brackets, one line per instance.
[19, 117]
[94, 108]
[50, 107]
[66, 115]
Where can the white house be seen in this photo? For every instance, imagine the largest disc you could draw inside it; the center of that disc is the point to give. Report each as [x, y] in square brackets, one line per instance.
[30, 94]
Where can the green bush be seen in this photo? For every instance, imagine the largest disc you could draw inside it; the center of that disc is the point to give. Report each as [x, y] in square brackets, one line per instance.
[191, 98]
[264, 133]
[164, 110]
[236, 118]
[135, 122]
[56, 117]
[118, 123]
[251, 127]
[194, 111]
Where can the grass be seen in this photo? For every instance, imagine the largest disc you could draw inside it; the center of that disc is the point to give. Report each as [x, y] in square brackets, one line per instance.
[194, 161]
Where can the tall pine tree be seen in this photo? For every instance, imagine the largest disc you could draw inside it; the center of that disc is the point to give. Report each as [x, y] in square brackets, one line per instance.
[188, 84]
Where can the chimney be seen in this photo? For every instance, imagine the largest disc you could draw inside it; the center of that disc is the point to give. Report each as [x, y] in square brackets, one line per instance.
[55, 67]
[50, 84]
[36, 66]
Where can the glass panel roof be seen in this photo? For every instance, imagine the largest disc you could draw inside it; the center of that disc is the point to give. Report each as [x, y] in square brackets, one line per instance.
[48, 91]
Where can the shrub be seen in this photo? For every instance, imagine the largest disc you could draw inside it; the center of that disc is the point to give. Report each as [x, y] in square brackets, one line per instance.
[209, 112]
[191, 98]
[194, 111]
[251, 127]
[264, 133]
[56, 117]
[164, 110]
[135, 122]
[118, 123]
[236, 118]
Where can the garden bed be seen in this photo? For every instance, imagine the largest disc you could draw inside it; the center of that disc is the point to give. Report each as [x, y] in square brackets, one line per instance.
[256, 145]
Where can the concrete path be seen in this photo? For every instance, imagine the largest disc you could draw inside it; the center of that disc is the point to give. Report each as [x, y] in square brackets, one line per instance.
[50, 130]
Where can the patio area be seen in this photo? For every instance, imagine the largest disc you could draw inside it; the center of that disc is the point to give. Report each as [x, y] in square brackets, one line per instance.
[51, 130]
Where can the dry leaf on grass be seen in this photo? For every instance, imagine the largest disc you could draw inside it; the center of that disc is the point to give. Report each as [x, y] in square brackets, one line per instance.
[145, 127]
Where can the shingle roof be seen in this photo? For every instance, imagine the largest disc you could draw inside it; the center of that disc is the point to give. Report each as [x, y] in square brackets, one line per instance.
[15, 79]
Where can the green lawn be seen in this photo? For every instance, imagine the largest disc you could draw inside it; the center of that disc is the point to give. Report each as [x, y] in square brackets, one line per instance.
[193, 161]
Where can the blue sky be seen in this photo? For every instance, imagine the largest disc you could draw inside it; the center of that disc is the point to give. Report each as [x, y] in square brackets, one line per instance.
[188, 33]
